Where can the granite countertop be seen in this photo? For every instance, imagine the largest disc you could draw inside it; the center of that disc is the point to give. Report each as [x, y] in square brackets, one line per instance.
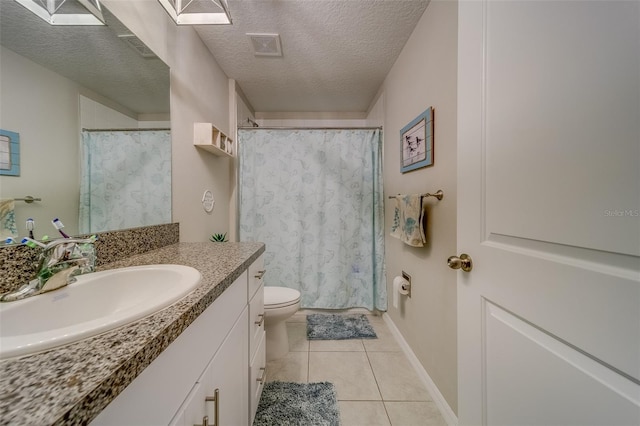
[73, 383]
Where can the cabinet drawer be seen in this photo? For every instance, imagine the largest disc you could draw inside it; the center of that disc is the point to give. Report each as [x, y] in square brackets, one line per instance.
[257, 372]
[256, 271]
[256, 321]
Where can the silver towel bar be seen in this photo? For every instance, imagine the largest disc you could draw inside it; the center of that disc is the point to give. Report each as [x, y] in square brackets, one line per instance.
[28, 199]
[438, 194]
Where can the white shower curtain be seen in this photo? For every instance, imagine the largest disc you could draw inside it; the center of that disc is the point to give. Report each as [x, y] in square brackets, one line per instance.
[126, 179]
[315, 198]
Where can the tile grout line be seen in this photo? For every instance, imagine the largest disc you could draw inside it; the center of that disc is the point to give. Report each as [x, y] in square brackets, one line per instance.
[306, 337]
[377, 384]
[308, 363]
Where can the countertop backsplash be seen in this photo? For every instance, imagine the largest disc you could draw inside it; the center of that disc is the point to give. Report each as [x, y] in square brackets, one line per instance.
[18, 263]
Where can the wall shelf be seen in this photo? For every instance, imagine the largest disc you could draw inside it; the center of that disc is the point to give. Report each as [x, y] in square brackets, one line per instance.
[208, 137]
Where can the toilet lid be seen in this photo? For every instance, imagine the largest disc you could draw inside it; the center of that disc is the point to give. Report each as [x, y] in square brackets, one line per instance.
[276, 297]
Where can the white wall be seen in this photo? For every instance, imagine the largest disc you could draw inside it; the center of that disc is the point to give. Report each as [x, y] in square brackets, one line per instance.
[425, 75]
[42, 107]
[94, 115]
[375, 116]
[199, 93]
[244, 111]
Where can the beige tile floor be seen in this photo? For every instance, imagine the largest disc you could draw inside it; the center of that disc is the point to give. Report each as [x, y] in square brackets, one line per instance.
[374, 381]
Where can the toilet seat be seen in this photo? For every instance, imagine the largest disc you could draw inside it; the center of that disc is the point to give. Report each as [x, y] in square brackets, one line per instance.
[280, 297]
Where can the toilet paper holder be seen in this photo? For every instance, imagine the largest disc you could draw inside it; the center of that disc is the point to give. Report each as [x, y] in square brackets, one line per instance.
[407, 287]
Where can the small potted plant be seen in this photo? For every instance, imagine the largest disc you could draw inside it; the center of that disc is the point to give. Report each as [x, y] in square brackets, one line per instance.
[219, 238]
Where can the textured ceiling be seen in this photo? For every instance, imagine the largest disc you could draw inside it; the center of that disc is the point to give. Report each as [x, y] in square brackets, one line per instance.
[336, 54]
[92, 56]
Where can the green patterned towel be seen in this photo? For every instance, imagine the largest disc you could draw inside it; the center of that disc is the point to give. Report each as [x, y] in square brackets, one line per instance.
[408, 220]
[7, 219]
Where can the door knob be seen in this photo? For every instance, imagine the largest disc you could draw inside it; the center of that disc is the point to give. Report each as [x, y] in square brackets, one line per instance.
[463, 262]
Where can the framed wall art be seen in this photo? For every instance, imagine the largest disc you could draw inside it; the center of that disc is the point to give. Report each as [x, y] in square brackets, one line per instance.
[9, 153]
[416, 142]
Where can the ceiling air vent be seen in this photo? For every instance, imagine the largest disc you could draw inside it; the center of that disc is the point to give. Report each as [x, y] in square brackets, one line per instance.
[266, 44]
[136, 44]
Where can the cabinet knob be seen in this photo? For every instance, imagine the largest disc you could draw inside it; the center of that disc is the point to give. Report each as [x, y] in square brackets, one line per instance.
[260, 321]
[260, 274]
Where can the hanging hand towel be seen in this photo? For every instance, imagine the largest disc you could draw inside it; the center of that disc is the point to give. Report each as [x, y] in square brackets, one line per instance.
[408, 219]
[7, 219]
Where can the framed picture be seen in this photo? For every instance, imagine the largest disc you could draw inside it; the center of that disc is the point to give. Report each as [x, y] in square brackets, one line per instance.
[9, 153]
[416, 142]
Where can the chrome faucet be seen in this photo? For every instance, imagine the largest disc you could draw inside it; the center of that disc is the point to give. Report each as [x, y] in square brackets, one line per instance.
[60, 261]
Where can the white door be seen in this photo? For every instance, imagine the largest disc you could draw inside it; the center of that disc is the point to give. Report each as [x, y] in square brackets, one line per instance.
[549, 211]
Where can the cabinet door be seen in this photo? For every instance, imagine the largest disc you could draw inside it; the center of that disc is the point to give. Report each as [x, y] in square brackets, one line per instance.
[226, 373]
[230, 376]
[194, 409]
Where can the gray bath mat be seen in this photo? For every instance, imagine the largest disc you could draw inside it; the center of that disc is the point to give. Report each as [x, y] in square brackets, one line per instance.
[297, 404]
[339, 327]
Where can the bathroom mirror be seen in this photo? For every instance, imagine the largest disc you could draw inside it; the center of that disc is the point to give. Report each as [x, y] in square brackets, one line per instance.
[57, 80]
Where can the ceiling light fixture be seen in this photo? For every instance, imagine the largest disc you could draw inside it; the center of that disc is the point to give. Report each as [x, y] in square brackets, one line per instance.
[197, 12]
[66, 12]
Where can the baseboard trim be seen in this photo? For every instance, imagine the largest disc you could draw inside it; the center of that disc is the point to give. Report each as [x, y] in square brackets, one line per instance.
[446, 411]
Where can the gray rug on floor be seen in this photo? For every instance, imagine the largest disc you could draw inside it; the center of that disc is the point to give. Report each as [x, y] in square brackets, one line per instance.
[339, 327]
[297, 404]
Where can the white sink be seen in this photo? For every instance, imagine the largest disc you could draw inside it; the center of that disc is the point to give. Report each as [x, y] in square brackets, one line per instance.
[95, 303]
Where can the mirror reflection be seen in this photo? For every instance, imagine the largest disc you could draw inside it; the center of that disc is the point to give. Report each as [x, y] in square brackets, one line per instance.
[76, 100]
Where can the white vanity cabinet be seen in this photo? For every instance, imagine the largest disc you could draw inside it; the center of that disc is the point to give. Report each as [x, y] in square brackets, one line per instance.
[257, 354]
[212, 353]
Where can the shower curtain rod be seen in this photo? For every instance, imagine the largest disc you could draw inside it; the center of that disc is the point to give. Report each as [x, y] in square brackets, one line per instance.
[310, 128]
[123, 130]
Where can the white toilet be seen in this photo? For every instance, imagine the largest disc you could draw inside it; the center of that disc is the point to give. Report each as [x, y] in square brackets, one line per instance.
[280, 303]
